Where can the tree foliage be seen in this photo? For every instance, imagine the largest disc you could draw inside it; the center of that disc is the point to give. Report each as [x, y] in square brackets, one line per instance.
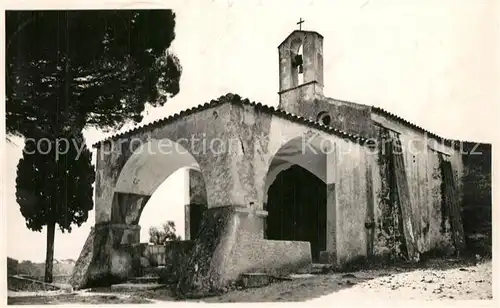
[55, 189]
[160, 237]
[12, 266]
[54, 186]
[67, 70]
[77, 68]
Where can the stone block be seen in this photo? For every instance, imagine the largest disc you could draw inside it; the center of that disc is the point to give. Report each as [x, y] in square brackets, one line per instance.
[110, 260]
[274, 257]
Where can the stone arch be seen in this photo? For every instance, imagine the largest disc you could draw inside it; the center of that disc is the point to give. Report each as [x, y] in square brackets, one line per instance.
[145, 170]
[315, 153]
[151, 163]
[306, 149]
[301, 163]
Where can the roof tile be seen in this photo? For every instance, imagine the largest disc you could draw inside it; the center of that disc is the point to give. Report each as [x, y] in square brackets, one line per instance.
[235, 99]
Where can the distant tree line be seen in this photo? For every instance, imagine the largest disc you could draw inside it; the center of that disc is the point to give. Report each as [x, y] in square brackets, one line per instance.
[37, 270]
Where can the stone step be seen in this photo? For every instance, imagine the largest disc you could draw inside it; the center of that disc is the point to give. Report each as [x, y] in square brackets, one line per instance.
[256, 280]
[132, 287]
[153, 271]
[143, 280]
[320, 268]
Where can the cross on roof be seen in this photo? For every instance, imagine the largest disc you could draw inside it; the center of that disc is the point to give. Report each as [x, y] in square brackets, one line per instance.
[300, 23]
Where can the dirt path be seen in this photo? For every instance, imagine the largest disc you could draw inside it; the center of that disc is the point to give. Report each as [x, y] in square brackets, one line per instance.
[439, 280]
[54, 298]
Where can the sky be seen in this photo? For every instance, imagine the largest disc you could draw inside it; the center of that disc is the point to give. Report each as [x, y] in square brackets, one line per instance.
[434, 63]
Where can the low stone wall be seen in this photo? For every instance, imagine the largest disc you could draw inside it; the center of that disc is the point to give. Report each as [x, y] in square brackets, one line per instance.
[20, 283]
[231, 244]
[168, 257]
[163, 255]
[152, 255]
[275, 257]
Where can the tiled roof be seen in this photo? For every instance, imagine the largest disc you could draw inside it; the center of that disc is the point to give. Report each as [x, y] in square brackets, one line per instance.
[236, 99]
[418, 128]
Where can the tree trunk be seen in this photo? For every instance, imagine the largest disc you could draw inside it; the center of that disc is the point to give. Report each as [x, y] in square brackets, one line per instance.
[49, 259]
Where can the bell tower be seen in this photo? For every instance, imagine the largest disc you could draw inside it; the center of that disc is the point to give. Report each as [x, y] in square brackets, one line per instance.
[300, 68]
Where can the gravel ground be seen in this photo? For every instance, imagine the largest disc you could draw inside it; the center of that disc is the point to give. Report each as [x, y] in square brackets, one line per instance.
[461, 283]
[452, 281]
[435, 280]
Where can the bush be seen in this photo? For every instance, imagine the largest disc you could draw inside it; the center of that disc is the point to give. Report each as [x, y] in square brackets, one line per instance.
[476, 206]
[12, 266]
[160, 237]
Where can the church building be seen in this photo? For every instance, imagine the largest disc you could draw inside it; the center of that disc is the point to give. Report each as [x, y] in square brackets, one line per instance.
[275, 190]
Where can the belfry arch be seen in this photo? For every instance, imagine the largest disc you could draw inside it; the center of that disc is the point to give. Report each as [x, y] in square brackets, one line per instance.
[297, 58]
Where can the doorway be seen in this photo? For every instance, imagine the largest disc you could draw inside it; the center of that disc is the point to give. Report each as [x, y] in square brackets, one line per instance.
[296, 207]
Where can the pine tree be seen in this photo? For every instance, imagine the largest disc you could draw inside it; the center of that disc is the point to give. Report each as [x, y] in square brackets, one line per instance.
[87, 68]
[69, 70]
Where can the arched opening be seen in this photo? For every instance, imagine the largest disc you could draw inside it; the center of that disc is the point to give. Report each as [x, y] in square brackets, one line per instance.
[296, 195]
[297, 58]
[160, 181]
[300, 70]
[324, 118]
[181, 199]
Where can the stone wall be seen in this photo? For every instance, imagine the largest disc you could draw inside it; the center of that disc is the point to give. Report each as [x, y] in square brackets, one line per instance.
[164, 255]
[197, 203]
[346, 116]
[117, 169]
[352, 202]
[252, 253]
[312, 43]
[79, 277]
[20, 283]
[231, 241]
[152, 255]
[231, 244]
[422, 168]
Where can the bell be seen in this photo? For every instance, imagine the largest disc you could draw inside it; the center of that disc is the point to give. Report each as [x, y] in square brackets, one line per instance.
[301, 69]
[297, 60]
